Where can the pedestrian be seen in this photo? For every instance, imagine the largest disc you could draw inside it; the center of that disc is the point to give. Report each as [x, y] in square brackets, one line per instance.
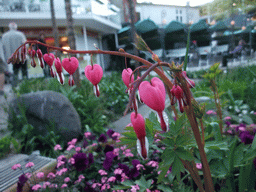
[2, 71]
[11, 40]
[238, 49]
[41, 39]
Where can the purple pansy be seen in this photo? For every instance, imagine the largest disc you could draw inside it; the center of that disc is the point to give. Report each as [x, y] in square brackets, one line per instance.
[109, 160]
[110, 132]
[124, 167]
[102, 138]
[22, 180]
[246, 137]
[108, 148]
[81, 161]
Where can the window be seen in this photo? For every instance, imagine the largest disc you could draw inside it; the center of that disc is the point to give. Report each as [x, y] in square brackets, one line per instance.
[177, 18]
[180, 19]
[177, 11]
[180, 11]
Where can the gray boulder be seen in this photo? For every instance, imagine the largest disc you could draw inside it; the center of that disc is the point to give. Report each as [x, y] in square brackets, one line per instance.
[46, 107]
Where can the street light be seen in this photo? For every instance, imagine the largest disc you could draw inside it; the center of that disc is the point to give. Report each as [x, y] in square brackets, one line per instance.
[232, 23]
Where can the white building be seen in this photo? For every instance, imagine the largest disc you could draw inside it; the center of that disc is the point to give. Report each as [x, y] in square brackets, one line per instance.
[164, 14]
[93, 21]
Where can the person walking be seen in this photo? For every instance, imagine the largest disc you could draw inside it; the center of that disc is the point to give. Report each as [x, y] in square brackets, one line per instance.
[11, 40]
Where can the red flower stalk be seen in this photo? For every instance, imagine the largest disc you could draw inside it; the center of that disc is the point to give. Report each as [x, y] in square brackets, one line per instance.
[58, 67]
[70, 65]
[138, 124]
[177, 94]
[94, 74]
[49, 59]
[153, 95]
[127, 78]
[40, 58]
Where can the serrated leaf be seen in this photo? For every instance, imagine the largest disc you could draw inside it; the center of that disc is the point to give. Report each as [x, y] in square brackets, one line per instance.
[183, 154]
[177, 167]
[216, 131]
[164, 188]
[168, 158]
[127, 183]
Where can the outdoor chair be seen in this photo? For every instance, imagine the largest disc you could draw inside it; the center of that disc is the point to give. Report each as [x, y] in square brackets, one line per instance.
[205, 54]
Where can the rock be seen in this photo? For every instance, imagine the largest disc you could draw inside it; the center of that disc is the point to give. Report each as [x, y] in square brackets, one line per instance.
[46, 107]
[203, 99]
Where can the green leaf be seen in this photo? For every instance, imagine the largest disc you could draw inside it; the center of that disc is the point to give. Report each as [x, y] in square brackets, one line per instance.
[127, 183]
[254, 143]
[218, 169]
[183, 154]
[164, 188]
[177, 167]
[187, 50]
[168, 142]
[120, 187]
[247, 178]
[168, 158]
[216, 130]
[143, 183]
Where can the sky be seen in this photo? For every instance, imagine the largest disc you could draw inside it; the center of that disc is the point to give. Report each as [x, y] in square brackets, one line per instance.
[177, 2]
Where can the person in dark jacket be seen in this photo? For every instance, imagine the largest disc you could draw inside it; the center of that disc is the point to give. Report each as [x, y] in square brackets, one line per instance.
[44, 51]
[238, 49]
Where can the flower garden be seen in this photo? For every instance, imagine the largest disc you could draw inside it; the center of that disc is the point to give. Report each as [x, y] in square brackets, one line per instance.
[187, 146]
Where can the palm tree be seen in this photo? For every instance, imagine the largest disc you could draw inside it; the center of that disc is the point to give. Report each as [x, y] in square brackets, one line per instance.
[54, 26]
[71, 37]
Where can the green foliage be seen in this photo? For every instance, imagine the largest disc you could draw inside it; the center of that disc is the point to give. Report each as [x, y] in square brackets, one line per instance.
[7, 144]
[28, 136]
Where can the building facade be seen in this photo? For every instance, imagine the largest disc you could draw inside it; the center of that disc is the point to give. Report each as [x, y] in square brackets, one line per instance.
[164, 14]
[93, 21]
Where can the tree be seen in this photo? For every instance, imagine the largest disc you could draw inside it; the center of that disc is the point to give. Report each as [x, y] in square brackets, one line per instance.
[54, 26]
[71, 37]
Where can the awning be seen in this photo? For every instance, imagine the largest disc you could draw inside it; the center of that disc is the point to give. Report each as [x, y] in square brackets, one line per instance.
[145, 26]
[124, 29]
[219, 26]
[200, 25]
[247, 30]
[174, 26]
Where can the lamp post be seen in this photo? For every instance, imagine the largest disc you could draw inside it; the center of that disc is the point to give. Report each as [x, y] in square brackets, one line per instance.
[232, 23]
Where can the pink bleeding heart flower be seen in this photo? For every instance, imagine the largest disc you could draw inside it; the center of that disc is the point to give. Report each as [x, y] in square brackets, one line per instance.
[32, 54]
[127, 78]
[177, 94]
[40, 58]
[70, 65]
[58, 68]
[49, 59]
[153, 95]
[94, 74]
[138, 124]
[191, 83]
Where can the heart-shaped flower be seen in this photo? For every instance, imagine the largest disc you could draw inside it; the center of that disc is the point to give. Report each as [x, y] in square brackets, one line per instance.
[138, 124]
[70, 64]
[153, 95]
[177, 94]
[58, 68]
[126, 76]
[49, 58]
[40, 58]
[94, 74]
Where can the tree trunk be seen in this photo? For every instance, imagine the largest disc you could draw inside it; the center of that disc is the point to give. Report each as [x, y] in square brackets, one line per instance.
[133, 30]
[71, 37]
[54, 26]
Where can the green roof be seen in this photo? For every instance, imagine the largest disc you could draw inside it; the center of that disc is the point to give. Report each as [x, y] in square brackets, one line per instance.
[174, 26]
[145, 26]
[227, 33]
[200, 25]
[124, 29]
[219, 26]
[247, 30]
